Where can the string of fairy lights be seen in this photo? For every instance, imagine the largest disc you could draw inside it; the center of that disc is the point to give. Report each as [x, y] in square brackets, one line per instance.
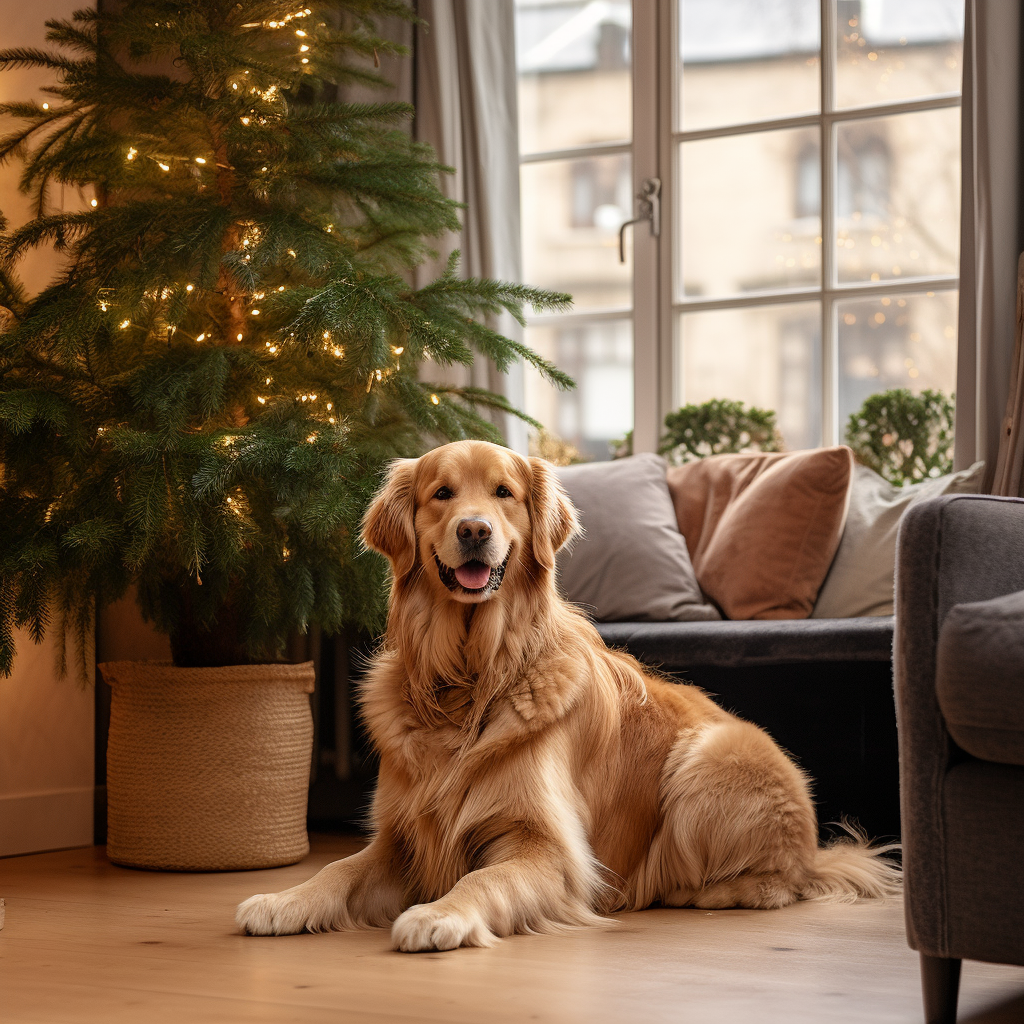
[237, 503]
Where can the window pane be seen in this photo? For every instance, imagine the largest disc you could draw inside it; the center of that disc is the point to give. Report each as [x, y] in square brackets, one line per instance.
[766, 356]
[571, 213]
[575, 85]
[898, 196]
[746, 61]
[599, 356]
[899, 341]
[898, 50]
[750, 212]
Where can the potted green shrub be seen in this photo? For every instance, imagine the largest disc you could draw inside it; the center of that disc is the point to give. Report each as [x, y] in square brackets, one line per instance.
[904, 437]
[716, 427]
[203, 401]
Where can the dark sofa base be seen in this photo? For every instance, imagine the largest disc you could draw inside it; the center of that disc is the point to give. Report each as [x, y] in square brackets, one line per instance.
[821, 687]
[836, 719]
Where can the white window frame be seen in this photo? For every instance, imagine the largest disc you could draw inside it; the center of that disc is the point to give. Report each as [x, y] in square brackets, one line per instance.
[655, 150]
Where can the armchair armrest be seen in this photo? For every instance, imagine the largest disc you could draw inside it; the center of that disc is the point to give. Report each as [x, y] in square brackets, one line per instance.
[951, 550]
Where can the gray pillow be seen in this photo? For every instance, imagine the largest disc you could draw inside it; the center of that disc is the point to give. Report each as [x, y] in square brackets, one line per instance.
[631, 562]
[860, 580]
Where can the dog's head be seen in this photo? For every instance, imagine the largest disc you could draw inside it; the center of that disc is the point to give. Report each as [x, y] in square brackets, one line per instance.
[470, 513]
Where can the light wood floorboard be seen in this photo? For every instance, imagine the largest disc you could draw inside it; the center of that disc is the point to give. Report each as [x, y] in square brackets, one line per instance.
[86, 942]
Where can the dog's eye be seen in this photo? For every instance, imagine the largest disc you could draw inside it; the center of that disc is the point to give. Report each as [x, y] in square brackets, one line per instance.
[503, 492]
[442, 493]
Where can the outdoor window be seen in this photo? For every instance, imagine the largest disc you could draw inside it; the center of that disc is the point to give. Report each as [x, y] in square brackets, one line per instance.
[575, 131]
[809, 206]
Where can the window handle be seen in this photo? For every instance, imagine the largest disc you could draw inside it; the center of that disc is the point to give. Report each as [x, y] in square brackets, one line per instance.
[649, 201]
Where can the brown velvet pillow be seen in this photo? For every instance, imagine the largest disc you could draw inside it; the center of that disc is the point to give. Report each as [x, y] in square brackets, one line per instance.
[762, 529]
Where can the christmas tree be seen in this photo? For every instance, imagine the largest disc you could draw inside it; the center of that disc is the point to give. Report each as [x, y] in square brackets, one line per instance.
[203, 401]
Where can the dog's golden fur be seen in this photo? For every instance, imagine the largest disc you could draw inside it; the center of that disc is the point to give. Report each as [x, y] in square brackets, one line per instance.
[530, 778]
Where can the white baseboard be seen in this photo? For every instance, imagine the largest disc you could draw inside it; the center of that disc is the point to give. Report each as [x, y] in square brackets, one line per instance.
[56, 820]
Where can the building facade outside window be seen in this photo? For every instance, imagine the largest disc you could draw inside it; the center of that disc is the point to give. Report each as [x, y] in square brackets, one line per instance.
[755, 289]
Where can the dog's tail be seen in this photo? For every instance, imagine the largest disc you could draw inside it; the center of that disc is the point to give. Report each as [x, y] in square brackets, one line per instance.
[850, 868]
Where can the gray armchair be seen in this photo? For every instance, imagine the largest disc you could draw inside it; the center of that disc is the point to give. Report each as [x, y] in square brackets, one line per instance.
[959, 665]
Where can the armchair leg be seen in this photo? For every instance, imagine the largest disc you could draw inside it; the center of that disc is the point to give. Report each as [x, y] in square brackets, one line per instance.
[940, 983]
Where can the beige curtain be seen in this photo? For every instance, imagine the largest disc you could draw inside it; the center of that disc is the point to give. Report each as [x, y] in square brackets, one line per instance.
[1009, 472]
[990, 232]
[465, 96]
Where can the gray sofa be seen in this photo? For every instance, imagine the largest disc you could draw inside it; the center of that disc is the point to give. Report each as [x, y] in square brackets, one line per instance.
[959, 666]
[821, 687]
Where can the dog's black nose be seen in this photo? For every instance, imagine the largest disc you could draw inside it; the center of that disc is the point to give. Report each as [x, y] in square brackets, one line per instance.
[473, 531]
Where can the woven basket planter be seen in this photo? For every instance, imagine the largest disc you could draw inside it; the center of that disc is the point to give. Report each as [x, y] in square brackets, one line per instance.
[208, 768]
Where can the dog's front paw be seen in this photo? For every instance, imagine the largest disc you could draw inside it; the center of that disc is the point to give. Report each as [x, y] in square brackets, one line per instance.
[281, 913]
[429, 926]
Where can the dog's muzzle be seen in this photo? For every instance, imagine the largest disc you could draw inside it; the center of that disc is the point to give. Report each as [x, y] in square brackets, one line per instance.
[474, 577]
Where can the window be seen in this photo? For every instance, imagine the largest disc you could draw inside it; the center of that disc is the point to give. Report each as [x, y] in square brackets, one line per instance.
[755, 289]
[575, 129]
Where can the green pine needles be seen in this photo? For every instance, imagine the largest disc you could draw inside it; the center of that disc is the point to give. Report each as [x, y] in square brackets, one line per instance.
[203, 401]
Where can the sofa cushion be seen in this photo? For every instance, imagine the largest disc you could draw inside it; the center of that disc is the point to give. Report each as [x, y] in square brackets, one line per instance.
[631, 562]
[980, 677]
[762, 528]
[860, 581]
[678, 646]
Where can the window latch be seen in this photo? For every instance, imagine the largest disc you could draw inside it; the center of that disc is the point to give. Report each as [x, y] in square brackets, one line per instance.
[649, 201]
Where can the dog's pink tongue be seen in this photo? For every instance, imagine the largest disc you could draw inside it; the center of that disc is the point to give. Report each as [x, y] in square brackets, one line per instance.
[473, 575]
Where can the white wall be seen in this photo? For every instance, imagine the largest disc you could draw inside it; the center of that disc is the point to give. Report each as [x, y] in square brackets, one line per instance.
[46, 755]
[46, 723]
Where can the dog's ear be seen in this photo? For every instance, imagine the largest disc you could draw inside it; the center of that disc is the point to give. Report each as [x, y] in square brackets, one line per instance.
[552, 515]
[389, 524]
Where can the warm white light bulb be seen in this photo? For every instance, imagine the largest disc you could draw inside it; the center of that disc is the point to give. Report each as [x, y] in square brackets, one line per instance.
[200, 159]
[93, 203]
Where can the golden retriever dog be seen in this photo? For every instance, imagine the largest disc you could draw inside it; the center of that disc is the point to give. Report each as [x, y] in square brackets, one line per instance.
[530, 778]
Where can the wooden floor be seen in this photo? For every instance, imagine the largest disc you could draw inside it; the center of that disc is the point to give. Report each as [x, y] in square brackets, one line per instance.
[85, 941]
